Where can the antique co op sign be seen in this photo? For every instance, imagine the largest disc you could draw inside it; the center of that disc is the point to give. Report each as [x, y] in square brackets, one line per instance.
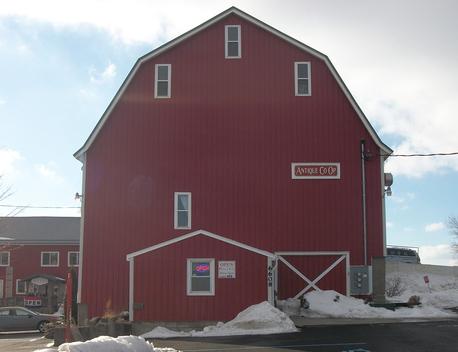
[315, 170]
[226, 269]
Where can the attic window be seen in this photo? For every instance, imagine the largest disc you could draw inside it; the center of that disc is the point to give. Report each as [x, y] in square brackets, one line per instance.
[162, 84]
[302, 79]
[233, 48]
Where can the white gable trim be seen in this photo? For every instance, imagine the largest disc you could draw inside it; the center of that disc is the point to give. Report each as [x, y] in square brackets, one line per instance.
[131, 256]
[245, 16]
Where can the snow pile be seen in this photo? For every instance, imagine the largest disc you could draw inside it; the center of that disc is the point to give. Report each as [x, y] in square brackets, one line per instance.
[441, 293]
[333, 304]
[109, 344]
[259, 319]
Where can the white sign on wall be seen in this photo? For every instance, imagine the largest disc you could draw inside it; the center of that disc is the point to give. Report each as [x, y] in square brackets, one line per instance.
[226, 269]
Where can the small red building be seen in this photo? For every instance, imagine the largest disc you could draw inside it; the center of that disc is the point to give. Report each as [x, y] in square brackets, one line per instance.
[233, 166]
[36, 254]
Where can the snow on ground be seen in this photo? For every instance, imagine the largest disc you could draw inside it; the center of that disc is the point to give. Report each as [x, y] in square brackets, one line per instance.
[442, 291]
[259, 319]
[109, 344]
[333, 304]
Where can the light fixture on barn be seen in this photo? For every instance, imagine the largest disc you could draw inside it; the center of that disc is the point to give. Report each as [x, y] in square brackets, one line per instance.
[388, 177]
[78, 196]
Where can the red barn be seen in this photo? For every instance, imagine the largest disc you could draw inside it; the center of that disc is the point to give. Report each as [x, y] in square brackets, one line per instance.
[233, 166]
[36, 254]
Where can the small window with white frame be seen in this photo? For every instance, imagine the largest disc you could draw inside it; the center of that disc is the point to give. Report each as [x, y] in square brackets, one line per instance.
[182, 211]
[162, 81]
[302, 79]
[201, 277]
[73, 258]
[49, 258]
[20, 287]
[233, 41]
[5, 258]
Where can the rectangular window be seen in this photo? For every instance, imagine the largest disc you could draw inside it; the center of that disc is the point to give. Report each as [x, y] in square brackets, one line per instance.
[4, 258]
[20, 287]
[182, 210]
[73, 258]
[49, 258]
[201, 277]
[233, 41]
[302, 79]
[162, 82]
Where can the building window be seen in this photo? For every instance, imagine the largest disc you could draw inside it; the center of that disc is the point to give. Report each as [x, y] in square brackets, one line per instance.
[4, 258]
[182, 213]
[162, 82]
[201, 277]
[73, 258]
[233, 47]
[302, 79]
[49, 258]
[20, 287]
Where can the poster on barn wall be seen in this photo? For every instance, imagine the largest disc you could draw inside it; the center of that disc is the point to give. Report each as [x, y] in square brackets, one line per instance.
[226, 269]
[315, 171]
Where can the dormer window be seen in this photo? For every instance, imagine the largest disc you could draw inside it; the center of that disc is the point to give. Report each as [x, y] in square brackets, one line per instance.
[233, 47]
[162, 84]
[302, 79]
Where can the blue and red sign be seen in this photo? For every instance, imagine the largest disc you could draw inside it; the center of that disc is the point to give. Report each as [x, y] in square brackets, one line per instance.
[201, 269]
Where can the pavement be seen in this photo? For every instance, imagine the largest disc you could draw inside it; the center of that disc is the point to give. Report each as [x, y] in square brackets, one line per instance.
[301, 322]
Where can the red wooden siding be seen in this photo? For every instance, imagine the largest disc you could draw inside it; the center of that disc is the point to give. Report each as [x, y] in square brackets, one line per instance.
[229, 135]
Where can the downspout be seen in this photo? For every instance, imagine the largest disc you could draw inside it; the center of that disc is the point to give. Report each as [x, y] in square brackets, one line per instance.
[83, 202]
[363, 186]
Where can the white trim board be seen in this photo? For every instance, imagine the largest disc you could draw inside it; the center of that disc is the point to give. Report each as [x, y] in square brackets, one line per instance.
[232, 10]
[196, 233]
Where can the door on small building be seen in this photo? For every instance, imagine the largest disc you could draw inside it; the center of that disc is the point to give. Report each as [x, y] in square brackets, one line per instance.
[300, 272]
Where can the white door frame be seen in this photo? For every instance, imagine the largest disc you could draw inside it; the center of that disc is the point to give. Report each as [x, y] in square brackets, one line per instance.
[313, 283]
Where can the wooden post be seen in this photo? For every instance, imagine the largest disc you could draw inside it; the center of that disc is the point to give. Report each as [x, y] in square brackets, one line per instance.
[68, 307]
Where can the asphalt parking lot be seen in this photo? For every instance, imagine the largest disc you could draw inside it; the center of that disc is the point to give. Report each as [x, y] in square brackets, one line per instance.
[403, 337]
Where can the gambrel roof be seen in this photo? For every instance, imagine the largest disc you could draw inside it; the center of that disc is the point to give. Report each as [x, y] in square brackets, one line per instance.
[233, 10]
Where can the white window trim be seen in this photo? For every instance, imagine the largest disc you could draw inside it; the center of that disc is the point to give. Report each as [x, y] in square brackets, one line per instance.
[226, 41]
[17, 286]
[9, 258]
[296, 78]
[212, 276]
[68, 259]
[169, 81]
[175, 211]
[50, 265]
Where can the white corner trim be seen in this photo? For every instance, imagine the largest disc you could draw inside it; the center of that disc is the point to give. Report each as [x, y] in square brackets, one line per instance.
[131, 288]
[83, 202]
[196, 233]
[78, 154]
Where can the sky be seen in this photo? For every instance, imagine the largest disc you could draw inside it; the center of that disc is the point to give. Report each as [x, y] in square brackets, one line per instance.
[61, 62]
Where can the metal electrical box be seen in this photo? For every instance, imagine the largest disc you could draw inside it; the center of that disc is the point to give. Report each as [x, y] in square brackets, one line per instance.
[360, 280]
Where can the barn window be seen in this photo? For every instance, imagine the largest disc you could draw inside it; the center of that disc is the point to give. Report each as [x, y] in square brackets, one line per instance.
[162, 84]
[20, 287]
[4, 258]
[182, 213]
[233, 48]
[73, 258]
[302, 79]
[49, 258]
[201, 277]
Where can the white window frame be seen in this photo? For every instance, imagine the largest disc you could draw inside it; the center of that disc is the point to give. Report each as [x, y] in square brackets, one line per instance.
[226, 41]
[9, 258]
[50, 265]
[17, 287]
[296, 78]
[169, 81]
[189, 275]
[68, 258]
[175, 211]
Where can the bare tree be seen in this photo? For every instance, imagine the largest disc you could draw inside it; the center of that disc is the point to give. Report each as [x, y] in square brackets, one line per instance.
[453, 226]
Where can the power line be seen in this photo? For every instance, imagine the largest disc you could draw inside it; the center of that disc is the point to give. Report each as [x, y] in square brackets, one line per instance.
[35, 207]
[418, 154]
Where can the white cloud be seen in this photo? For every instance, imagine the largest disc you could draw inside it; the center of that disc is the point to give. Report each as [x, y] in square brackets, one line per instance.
[8, 157]
[441, 254]
[48, 171]
[2, 101]
[437, 226]
[100, 77]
